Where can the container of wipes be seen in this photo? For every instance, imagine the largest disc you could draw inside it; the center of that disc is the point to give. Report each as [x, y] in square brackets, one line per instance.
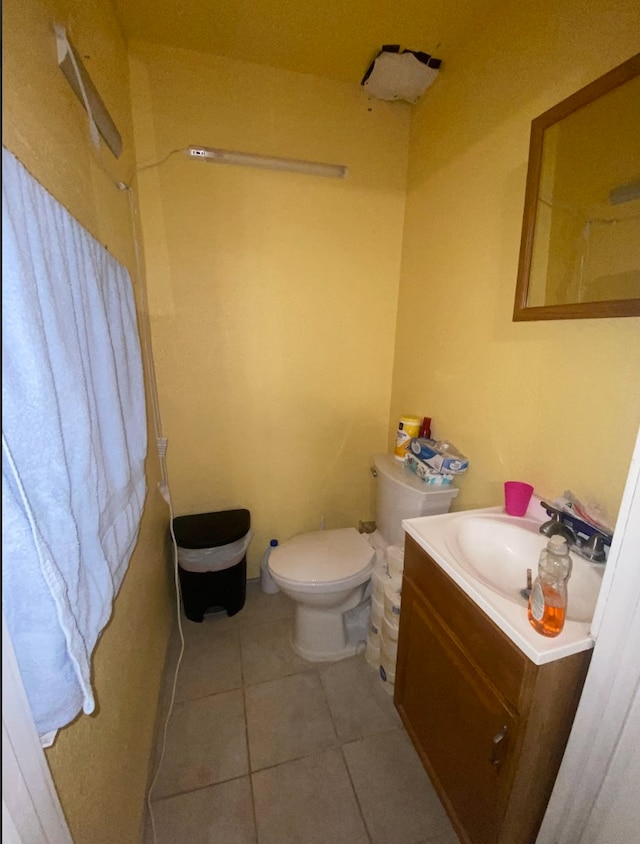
[408, 429]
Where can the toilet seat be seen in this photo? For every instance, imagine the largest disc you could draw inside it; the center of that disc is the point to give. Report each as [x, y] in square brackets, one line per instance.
[325, 587]
[324, 559]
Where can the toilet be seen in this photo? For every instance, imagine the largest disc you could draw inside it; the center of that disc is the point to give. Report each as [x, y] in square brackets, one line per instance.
[326, 572]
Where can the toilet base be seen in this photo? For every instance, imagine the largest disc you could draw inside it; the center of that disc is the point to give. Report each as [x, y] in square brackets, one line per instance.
[313, 656]
[319, 633]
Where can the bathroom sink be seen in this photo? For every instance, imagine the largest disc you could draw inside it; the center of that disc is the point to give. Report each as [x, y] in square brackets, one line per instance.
[497, 550]
[487, 554]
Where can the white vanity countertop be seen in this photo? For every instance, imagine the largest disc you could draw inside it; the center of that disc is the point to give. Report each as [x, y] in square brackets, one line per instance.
[430, 534]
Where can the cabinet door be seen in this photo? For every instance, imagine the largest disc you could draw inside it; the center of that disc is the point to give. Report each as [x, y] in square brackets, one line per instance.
[459, 725]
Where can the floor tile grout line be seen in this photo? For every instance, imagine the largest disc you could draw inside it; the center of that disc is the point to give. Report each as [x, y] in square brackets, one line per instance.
[201, 788]
[246, 724]
[355, 794]
[245, 686]
[288, 673]
[250, 775]
[244, 625]
[337, 744]
[252, 685]
[196, 697]
[326, 700]
[340, 743]
[246, 738]
[344, 741]
[378, 734]
[189, 646]
[306, 755]
[246, 719]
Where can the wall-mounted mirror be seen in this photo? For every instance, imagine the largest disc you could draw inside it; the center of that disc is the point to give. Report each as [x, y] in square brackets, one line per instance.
[580, 247]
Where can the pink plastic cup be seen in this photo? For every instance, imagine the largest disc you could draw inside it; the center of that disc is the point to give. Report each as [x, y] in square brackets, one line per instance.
[517, 496]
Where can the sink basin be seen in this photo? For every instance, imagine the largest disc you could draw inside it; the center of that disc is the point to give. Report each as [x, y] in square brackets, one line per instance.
[497, 550]
[487, 553]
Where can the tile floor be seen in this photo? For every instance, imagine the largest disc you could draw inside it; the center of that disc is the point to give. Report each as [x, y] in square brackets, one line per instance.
[263, 746]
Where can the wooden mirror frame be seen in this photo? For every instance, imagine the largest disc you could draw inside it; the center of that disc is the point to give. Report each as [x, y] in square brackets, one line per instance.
[584, 310]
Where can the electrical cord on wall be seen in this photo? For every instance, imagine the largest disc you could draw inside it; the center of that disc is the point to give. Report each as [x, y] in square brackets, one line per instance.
[157, 163]
[149, 368]
[145, 331]
[166, 494]
[163, 484]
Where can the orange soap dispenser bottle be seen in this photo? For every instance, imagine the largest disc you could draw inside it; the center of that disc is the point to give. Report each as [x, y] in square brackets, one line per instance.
[548, 599]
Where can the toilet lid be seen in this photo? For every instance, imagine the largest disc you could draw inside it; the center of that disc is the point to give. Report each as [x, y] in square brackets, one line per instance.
[322, 556]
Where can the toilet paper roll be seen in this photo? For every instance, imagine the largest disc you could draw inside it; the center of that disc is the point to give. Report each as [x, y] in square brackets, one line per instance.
[377, 607]
[396, 579]
[379, 579]
[395, 561]
[392, 599]
[372, 655]
[389, 647]
[387, 668]
[375, 626]
[390, 629]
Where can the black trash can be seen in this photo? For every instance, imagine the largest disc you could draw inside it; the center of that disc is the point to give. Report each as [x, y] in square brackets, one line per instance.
[212, 561]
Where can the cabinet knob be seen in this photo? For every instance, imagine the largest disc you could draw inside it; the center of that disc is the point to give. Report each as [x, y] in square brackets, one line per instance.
[497, 745]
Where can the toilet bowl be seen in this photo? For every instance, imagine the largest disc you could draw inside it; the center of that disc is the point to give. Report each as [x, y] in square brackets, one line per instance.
[325, 573]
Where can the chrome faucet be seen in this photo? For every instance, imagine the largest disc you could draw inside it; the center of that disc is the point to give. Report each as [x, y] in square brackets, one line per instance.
[554, 527]
[593, 549]
[590, 548]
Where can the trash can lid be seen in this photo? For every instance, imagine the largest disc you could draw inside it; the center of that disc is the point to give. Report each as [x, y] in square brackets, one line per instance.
[210, 530]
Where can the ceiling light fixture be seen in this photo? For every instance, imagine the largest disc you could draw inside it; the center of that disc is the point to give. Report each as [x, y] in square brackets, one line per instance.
[249, 159]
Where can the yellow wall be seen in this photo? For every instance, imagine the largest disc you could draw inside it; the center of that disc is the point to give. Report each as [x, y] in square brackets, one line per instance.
[274, 298]
[553, 403]
[272, 295]
[100, 762]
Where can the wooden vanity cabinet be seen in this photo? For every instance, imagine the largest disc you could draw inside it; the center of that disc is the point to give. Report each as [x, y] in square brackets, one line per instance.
[489, 725]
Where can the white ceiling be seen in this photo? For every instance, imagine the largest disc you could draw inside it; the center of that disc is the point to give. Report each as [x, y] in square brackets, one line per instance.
[335, 39]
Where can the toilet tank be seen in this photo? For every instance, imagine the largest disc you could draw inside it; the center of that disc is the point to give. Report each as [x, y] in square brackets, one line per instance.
[400, 494]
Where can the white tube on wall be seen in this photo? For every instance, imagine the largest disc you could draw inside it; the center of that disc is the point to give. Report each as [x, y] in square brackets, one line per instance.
[99, 118]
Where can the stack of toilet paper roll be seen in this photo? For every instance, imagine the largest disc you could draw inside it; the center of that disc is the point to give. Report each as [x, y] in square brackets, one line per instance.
[382, 641]
[379, 580]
